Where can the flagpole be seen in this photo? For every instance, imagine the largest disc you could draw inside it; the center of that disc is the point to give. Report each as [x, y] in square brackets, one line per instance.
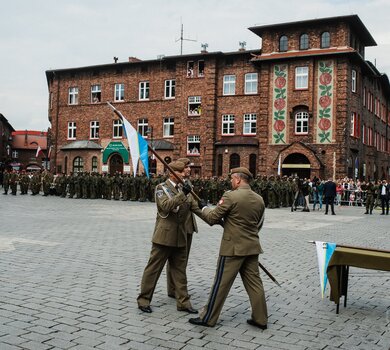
[182, 182]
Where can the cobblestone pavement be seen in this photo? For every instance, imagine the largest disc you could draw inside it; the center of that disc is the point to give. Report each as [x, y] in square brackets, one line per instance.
[70, 272]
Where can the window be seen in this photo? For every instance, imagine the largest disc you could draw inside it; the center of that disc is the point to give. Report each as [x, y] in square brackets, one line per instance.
[117, 130]
[119, 92]
[251, 83]
[194, 105]
[144, 90]
[283, 43]
[190, 69]
[201, 68]
[94, 130]
[353, 80]
[15, 154]
[168, 127]
[96, 93]
[325, 40]
[143, 126]
[301, 77]
[301, 123]
[250, 121]
[94, 167]
[78, 165]
[228, 124]
[229, 84]
[73, 96]
[71, 130]
[364, 97]
[364, 132]
[234, 161]
[170, 88]
[304, 42]
[355, 125]
[193, 145]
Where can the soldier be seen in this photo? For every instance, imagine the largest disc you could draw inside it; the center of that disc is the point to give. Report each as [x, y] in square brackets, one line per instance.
[242, 211]
[116, 186]
[71, 182]
[63, 184]
[169, 241]
[47, 180]
[36, 183]
[370, 194]
[13, 181]
[272, 195]
[24, 182]
[143, 188]
[5, 181]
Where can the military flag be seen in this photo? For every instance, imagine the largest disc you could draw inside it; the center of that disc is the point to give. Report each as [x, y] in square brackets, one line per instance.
[324, 253]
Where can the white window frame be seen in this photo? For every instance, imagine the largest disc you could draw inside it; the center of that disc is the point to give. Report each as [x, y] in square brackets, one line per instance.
[251, 81]
[302, 78]
[353, 121]
[72, 130]
[227, 124]
[194, 140]
[229, 85]
[301, 123]
[94, 130]
[168, 126]
[196, 103]
[143, 126]
[119, 92]
[15, 154]
[144, 90]
[354, 75]
[250, 124]
[201, 71]
[117, 129]
[170, 89]
[96, 93]
[94, 164]
[73, 98]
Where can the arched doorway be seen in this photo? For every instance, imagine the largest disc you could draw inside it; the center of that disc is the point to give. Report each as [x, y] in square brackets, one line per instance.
[296, 164]
[116, 164]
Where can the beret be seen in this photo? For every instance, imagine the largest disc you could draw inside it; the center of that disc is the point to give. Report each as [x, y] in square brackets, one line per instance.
[241, 170]
[186, 161]
[177, 166]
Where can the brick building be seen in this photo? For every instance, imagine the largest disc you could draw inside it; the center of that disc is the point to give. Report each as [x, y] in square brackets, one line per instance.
[6, 130]
[307, 103]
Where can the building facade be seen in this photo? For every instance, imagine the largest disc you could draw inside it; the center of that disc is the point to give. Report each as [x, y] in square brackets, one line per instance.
[6, 130]
[306, 103]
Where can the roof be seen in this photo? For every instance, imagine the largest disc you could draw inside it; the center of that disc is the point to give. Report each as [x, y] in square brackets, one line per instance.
[353, 20]
[161, 145]
[6, 122]
[29, 132]
[29, 139]
[85, 144]
[238, 141]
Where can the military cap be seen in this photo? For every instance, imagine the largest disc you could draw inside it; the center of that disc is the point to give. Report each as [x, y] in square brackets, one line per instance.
[177, 166]
[241, 170]
[186, 161]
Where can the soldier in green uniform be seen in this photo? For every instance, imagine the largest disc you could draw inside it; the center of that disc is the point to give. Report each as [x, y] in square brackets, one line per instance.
[13, 182]
[6, 181]
[36, 183]
[242, 211]
[272, 195]
[24, 182]
[143, 188]
[47, 179]
[370, 194]
[63, 184]
[169, 241]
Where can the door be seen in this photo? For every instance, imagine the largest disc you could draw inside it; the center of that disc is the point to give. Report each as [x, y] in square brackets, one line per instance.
[116, 164]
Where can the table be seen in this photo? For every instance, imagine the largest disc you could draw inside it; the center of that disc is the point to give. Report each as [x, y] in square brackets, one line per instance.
[343, 257]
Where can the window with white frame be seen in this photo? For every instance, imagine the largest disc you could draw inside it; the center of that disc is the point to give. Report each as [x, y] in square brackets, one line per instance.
[94, 130]
[251, 83]
[71, 130]
[119, 94]
[353, 80]
[250, 124]
[168, 127]
[73, 98]
[96, 93]
[229, 84]
[94, 166]
[353, 123]
[301, 77]
[301, 122]
[228, 124]
[201, 68]
[170, 88]
[78, 165]
[117, 129]
[144, 90]
[193, 145]
[143, 127]
[194, 105]
[15, 154]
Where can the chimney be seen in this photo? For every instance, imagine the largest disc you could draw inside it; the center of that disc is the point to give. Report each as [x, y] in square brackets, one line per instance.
[242, 45]
[204, 48]
[115, 59]
[134, 59]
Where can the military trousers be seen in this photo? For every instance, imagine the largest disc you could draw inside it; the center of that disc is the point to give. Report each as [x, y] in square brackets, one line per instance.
[177, 257]
[170, 282]
[227, 269]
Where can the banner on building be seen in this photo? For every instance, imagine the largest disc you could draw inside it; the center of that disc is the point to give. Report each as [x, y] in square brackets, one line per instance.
[279, 104]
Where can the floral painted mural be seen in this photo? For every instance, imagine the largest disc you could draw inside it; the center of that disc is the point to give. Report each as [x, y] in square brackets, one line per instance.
[279, 108]
[325, 102]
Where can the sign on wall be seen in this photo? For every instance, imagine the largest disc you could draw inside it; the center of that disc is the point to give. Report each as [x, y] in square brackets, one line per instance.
[279, 104]
[325, 102]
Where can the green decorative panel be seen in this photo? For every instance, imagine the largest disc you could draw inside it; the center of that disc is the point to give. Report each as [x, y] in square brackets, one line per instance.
[279, 104]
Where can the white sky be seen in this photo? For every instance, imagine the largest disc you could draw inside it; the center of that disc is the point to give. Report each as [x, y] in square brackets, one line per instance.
[37, 35]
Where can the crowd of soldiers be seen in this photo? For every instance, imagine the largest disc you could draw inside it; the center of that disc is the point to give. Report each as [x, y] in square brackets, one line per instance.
[276, 191]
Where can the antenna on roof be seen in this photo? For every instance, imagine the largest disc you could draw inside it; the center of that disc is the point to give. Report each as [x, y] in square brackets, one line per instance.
[182, 39]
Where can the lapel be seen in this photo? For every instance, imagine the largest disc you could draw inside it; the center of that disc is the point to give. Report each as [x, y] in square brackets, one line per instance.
[171, 188]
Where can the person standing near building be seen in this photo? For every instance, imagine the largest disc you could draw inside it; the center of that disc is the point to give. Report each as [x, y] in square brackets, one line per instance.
[384, 192]
[6, 181]
[13, 182]
[169, 241]
[190, 227]
[329, 194]
[370, 196]
[242, 211]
